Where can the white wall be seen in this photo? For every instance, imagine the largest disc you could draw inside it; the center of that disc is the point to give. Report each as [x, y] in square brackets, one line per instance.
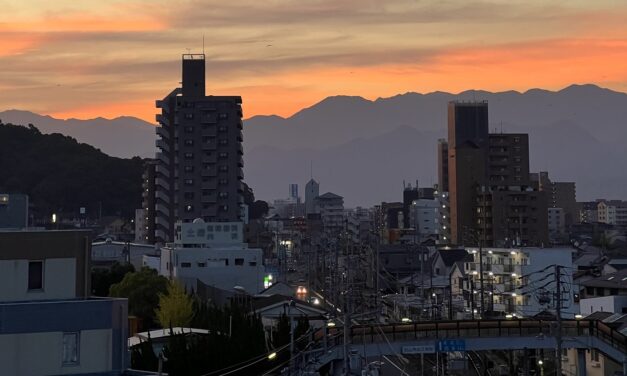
[215, 272]
[539, 259]
[613, 304]
[59, 280]
[42, 353]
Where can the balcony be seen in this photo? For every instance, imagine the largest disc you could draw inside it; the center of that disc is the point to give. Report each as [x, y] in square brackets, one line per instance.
[209, 173]
[162, 120]
[160, 234]
[162, 209]
[161, 169]
[161, 144]
[210, 198]
[240, 173]
[209, 212]
[210, 159]
[161, 195]
[163, 132]
[160, 182]
[209, 132]
[209, 185]
[162, 221]
[163, 158]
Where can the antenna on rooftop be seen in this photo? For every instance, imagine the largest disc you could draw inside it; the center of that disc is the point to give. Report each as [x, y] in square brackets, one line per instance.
[203, 43]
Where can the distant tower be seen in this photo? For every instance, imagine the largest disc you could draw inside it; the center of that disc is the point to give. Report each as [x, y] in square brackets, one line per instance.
[312, 190]
[294, 192]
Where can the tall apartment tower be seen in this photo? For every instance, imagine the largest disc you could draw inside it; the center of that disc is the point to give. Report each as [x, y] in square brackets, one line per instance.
[442, 165]
[312, 190]
[467, 162]
[199, 168]
[492, 198]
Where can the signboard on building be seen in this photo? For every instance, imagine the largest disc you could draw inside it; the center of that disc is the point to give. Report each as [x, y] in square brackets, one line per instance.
[447, 345]
[421, 349]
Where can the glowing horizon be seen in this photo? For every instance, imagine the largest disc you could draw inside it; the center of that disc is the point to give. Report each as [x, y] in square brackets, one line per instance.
[86, 60]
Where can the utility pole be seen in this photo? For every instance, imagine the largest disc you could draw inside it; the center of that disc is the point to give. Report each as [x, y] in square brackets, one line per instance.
[558, 315]
[347, 317]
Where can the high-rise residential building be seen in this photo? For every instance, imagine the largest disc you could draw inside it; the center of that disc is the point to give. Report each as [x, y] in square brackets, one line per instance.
[612, 212]
[294, 193]
[331, 209]
[312, 190]
[199, 168]
[492, 200]
[442, 165]
[560, 195]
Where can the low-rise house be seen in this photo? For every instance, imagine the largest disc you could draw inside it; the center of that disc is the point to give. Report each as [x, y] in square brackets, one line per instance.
[49, 324]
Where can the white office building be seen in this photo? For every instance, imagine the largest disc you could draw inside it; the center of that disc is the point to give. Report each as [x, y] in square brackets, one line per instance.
[214, 254]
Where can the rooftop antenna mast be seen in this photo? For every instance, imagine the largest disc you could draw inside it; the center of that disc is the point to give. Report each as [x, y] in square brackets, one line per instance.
[203, 44]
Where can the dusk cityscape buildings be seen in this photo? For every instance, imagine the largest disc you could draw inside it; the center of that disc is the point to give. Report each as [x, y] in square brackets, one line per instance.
[172, 264]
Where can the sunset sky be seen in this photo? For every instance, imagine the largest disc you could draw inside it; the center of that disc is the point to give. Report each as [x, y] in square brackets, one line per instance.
[84, 59]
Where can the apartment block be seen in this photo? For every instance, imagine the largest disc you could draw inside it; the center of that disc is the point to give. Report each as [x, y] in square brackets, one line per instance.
[199, 167]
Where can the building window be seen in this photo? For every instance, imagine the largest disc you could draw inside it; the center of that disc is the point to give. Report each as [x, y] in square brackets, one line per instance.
[188, 155]
[189, 182]
[202, 264]
[223, 194]
[36, 275]
[189, 129]
[189, 195]
[239, 261]
[222, 128]
[234, 236]
[224, 116]
[223, 155]
[189, 142]
[189, 116]
[189, 208]
[252, 263]
[223, 142]
[186, 265]
[189, 168]
[224, 168]
[70, 349]
[223, 181]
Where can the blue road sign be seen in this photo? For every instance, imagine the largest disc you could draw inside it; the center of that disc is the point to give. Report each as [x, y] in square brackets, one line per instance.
[447, 345]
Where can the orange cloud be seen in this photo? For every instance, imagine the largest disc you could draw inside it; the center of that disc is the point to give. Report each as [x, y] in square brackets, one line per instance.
[83, 22]
[12, 44]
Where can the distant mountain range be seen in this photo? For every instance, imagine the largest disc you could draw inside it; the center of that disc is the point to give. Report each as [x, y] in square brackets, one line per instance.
[125, 136]
[363, 150]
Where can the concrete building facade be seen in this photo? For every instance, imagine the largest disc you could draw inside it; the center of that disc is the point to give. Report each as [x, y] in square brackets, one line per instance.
[491, 196]
[214, 254]
[312, 190]
[199, 168]
[50, 325]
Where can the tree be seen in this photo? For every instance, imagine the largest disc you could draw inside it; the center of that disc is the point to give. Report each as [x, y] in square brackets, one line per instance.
[175, 307]
[102, 279]
[142, 288]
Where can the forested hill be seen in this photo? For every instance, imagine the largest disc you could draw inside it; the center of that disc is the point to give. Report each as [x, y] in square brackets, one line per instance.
[61, 175]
